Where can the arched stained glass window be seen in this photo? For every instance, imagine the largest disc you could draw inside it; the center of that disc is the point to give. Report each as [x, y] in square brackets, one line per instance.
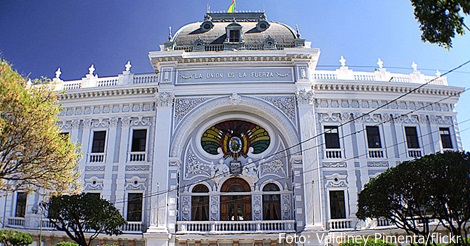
[235, 137]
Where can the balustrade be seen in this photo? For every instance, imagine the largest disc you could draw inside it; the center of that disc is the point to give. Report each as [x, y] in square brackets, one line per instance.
[96, 157]
[340, 224]
[235, 226]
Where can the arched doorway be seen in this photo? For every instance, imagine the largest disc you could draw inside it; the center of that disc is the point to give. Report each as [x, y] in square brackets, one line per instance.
[235, 200]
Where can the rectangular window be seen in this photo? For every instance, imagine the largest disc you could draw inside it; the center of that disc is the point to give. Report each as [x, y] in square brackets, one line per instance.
[445, 138]
[234, 36]
[332, 137]
[99, 140]
[412, 138]
[139, 140]
[373, 137]
[337, 205]
[20, 204]
[134, 206]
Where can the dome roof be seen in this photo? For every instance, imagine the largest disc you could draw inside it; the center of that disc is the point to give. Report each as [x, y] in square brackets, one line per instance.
[255, 30]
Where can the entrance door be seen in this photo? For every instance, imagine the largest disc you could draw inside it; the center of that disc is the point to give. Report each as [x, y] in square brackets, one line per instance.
[235, 207]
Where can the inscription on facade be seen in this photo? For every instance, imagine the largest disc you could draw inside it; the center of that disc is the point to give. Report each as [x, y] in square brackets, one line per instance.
[235, 75]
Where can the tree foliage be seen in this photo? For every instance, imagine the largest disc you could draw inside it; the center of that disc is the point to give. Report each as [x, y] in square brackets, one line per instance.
[15, 238]
[369, 242]
[65, 244]
[33, 153]
[440, 20]
[84, 213]
[414, 192]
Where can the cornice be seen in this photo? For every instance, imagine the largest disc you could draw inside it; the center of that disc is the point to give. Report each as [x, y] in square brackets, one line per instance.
[233, 56]
[389, 88]
[101, 92]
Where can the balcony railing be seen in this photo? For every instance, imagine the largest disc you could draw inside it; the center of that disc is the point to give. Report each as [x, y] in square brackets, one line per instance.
[15, 222]
[132, 227]
[376, 153]
[382, 222]
[96, 157]
[236, 226]
[47, 225]
[340, 224]
[137, 156]
[414, 153]
[333, 153]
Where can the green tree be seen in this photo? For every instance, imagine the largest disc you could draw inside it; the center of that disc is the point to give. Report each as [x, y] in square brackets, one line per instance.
[440, 20]
[368, 242]
[414, 192]
[33, 153]
[15, 238]
[65, 244]
[84, 213]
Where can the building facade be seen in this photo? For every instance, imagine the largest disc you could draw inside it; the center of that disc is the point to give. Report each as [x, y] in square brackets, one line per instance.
[238, 139]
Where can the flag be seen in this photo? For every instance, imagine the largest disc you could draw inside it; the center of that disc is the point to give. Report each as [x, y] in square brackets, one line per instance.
[231, 9]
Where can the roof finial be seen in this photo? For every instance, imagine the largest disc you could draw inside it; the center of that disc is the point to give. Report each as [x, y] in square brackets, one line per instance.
[342, 61]
[170, 35]
[414, 66]
[297, 31]
[128, 66]
[380, 63]
[58, 73]
[438, 73]
[91, 69]
[263, 8]
[208, 8]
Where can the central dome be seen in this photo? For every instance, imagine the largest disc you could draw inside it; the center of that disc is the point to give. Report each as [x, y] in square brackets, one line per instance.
[252, 30]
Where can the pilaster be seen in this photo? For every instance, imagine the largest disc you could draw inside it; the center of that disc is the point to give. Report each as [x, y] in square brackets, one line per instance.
[121, 175]
[110, 149]
[161, 160]
[310, 161]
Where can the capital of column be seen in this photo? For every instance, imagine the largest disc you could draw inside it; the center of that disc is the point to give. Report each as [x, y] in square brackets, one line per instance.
[304, 96]
[165, 99]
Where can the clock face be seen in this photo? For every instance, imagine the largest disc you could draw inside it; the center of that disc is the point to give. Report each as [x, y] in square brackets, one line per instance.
[235, 145]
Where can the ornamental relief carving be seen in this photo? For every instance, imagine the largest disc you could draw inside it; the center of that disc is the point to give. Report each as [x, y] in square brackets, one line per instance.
[93, 183]
[185, 208]
[248, 104]
[284, 103]
[194, 166]
[286, 206]
[404, 105]
[165, 99]
[257, 207]
[377, 163]
[141, 121]
[214, 208]
[275, 166]
[406, 119]
[65, 125]
[107, 109]
[184, 105]
[336, 180]
[304, 96]
[441, 120]
[334, 164]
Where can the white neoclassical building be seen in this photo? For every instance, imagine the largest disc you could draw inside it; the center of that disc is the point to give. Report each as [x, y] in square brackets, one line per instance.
[238, 139]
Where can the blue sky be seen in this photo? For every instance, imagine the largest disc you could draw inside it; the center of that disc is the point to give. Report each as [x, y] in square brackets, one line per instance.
[39, 36]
